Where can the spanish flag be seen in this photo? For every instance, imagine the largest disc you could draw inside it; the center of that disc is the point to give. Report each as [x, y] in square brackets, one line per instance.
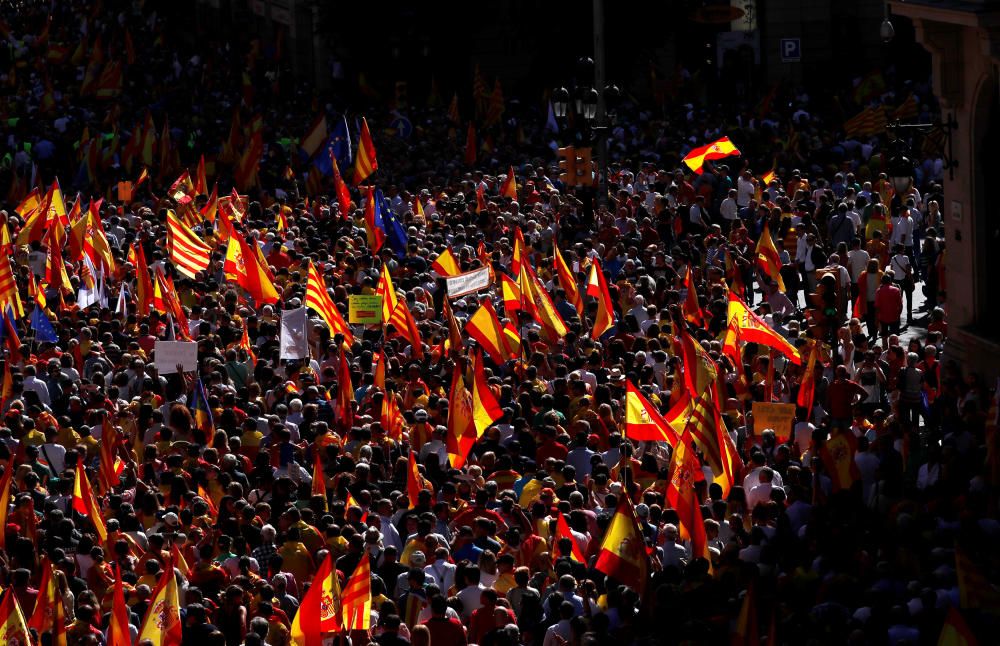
[242, 265]
[509, 186]
[691, 308]
[753, 329]
[597, 287]
[511, 295]
[643, 422]
[485, 409]
[13, 627]
[563, 531]
[365, 163]
[414, 481]
[768, 259]
[837, 455]
[462, 428]
[536, 300]
[345, 395]
[680, 495]
[623, 554]
[84, 501]
[162, 623]
[807, 387]
[391, 419]
[746, 631]
[318, 479]
[357, 597]
[49, 615]
[518, 257]
[567, 281]
[955, 631]
[484, 327]
[446, 264]
[118, 626]
[718, 149]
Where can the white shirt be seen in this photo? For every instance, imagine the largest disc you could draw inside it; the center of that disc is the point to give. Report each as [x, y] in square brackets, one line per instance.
[744, 191]
[442, 573]
[902, 231]
[729, 209]
[54, 455]
[34, 384]
[857, 262]
[561, 629]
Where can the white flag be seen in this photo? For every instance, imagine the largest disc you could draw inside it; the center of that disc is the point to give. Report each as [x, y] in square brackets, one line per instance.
[294, 334]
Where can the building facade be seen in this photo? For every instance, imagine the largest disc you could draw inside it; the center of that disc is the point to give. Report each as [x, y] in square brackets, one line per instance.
[963, 38]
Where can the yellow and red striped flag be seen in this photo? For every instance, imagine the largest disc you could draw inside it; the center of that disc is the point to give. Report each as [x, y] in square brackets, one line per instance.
[406, 327]
[414, 481]
[386, 290]
[643, 422]
[462, 432]
[188, 253]
[391, 419]
[718, 149]
[319, 479]
[563, 531]
[509, 186]
[318, 298]
[357, 597]
[365, 163]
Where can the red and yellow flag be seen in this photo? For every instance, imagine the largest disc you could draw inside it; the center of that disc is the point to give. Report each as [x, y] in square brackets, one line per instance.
[406, 327]
[84, 501]
[484, 327]
[568, 281]
[462, 431]
[49, 615]
[681, 496]
[643, 422]
[318, 298]
[768, 260]
[691, 308]
[320, 612]
[13, 627]
[837, 455]
[357, 597]
[162, 623]
[414, 481]
[446, 264]
[623, 549]
[754, 329]
[485, 409]
[955, 631]
[509, 186]
[319, 479]
[387, 291]
[118, 626]
[746, 631]
[366, 162]
[718, 149]
[391, 419]
[345, 395]
[563, 531]
[597, 287]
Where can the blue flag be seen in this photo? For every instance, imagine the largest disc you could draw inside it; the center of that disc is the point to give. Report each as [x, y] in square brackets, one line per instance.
[42, 326]
[395, 234]
[338, 144]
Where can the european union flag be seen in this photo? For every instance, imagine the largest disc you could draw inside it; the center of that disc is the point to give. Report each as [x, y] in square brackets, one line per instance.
[338, 144]
[394, 231]
[42, 327]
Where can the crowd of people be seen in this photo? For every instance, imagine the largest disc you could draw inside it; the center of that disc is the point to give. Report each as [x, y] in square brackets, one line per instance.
[243, 484]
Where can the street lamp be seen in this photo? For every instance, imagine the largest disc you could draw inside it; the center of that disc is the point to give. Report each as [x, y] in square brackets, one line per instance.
[560, 102]
[900, 171]
[589, 108]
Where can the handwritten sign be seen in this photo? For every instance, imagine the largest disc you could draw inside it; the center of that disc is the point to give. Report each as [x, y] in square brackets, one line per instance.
[467, 283]
[170, 353]
[364, 309]
[777, 417]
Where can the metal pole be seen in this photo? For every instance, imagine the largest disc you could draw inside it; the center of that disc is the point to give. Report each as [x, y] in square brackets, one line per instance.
[601, 116]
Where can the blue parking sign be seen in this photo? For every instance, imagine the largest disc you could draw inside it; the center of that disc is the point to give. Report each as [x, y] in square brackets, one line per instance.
[791, 50]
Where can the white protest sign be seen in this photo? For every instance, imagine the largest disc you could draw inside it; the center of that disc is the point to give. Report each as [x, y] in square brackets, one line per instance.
[294, 334]
[469, 282]
[170, 353]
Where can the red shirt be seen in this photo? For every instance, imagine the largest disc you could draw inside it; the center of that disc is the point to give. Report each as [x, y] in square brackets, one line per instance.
[551, 449]
[888, 304]
[446, 631]
[840, 395]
